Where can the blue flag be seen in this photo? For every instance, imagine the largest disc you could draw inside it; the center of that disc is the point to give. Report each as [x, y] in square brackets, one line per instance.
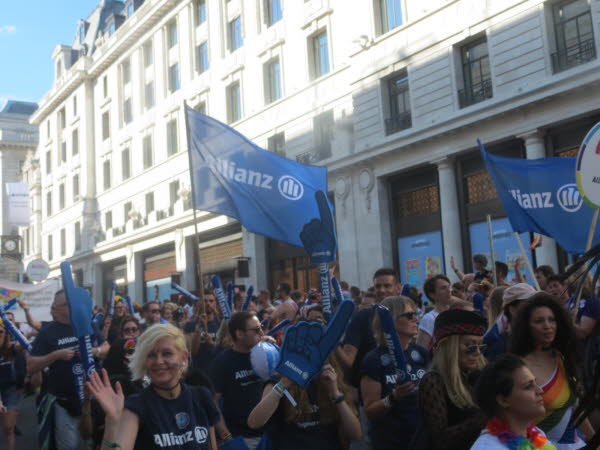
[541, 196]
[270, 195]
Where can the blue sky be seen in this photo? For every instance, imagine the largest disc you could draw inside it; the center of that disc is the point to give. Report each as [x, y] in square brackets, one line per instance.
[29, 31]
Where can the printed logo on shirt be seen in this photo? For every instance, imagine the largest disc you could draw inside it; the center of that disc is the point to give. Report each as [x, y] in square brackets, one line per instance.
[416, 356]
[296, 369]
[385, 360]
[243, 374]
[182, 419]
[67, 340]
[165, 440]
[78, 369]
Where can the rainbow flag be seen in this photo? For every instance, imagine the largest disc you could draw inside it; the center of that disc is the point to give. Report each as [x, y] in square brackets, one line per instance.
[6, 294]
[537, 241]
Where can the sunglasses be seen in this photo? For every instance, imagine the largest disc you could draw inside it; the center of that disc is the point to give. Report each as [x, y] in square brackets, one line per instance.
[256, 330]
[155, 311]
[130, 329]
[475, 348]
[409, 315]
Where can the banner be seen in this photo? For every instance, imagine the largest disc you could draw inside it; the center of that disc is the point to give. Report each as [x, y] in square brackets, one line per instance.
[39, 297]
[270, 195]
[541, 196]
[18, 204]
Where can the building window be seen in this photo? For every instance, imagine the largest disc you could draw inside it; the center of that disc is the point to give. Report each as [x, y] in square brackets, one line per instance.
[108, 222]
[391, 14]
[234, 102]
[173, 190]
[148, 54]
[125, 164]
[147, 151]
[273, 11]
[48, 162]
[75, 141]
[126, 72]
[105, 125]
[172, 34]
[106, 174]
[200, 12]
[50, 249]
[48, 203]
[235, 34]
[276, 143]
[202, 63]
[127, 207]
[130, 8]
[75, 187]
[323, 129]
[149, 94]
[127, 112]
[74, 106]
[105, 86]
[63, 242]
[63, 152]
[174, 77]
[77, 236]
[574, 35]
[61, 196]
[272, 74]
[399, 104]
[48, 129]
[320, 54]
[149, 202]
[62, 119]
[172, 141]
[477, 79]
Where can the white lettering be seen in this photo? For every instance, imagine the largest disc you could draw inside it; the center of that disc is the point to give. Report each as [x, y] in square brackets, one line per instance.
[67, 340]
[243, 374]
[532, 200]
[292, 366]
[229, 170]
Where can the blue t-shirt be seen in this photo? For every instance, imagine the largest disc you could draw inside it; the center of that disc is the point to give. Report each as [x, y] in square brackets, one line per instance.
[9, 367]
[232, 376]
[359, 334]
[588, 307]
[206, 352]
[179, 424]
[396, 428]
[60, 379]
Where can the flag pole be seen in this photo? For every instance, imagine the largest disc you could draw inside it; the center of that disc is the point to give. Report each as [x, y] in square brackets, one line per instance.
[588, 245]
[529, 266]
[491, 238]
[199, 283]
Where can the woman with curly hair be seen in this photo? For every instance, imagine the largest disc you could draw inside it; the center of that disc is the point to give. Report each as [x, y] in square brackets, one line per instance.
[543, 335]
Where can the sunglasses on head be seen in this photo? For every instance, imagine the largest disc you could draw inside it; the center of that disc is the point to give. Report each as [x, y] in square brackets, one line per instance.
[474, 348]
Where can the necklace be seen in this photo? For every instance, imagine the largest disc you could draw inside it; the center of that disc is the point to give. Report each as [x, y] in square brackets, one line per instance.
[167, 389]
[535, 439]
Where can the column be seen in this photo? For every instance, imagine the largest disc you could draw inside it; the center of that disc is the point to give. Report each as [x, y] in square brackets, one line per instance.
[95, 280]
[255, 248]
[451, 236]
[135, 275]
[188, 266]
[534, 148]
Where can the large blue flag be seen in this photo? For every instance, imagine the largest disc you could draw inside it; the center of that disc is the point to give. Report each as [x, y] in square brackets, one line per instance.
[541, 196]
[270, 195]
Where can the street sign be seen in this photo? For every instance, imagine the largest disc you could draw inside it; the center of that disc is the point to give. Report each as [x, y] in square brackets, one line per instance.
[37, 270]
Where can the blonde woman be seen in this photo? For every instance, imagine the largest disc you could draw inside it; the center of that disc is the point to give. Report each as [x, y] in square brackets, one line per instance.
[451, 420]
[168, 413]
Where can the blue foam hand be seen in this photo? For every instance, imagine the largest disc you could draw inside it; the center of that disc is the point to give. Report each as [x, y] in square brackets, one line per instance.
[249, 293]
[10, 304]
[405, 290]
[129, 305]
[230, 296]
[337, 290]
[318, 235]
[478, 302]
[184, 292]
[265, 322]
[14, 332]
[307, 345]
[98, 324]
[324, 285]
[393, 344]
[277, 328]
[218, 290]
[111, 302]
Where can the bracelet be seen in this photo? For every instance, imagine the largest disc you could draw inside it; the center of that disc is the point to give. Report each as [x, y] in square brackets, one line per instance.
[279, 389]
[339, 399]
[110, 444]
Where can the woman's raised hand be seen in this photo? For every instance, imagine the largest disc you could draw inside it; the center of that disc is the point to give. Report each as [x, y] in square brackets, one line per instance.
[111, 400]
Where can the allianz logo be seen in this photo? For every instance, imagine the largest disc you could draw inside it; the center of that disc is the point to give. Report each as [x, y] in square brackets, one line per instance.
[567, 197]
[289, 187]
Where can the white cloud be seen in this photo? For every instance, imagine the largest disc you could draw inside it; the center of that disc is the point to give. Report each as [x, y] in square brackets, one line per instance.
[8, 29]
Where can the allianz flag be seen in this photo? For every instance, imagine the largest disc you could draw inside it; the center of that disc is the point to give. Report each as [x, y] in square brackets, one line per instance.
[541, 196]
[269, 194]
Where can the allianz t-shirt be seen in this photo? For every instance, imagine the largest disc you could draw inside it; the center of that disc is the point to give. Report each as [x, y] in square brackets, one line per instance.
[179, 424]
[232, 377]
[60, 379]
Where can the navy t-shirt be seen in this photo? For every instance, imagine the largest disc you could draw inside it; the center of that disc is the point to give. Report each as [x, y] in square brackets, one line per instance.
[56, 336]
[359, 334]
[179, 424]
[206, 352]
[232, 376]
[309, 432]
[396, 428]
[8, 370]
[588, 307]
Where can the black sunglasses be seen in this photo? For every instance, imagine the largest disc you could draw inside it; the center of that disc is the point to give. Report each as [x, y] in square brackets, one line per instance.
[256, 330]
[474, 348]
[409, 315]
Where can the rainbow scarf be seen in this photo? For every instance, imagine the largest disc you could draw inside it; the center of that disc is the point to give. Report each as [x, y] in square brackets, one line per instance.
[535, 438]
[558, 398]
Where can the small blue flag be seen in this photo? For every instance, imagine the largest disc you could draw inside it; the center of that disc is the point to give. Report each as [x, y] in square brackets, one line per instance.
[269, 194]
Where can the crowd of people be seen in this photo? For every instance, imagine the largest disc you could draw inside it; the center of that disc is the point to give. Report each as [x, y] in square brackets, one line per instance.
[491, 363]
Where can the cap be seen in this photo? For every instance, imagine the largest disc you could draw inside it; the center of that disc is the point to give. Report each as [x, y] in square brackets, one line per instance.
[521, 291]
[458, 322]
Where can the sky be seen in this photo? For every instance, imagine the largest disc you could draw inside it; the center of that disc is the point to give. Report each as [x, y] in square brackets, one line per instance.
[29, 32]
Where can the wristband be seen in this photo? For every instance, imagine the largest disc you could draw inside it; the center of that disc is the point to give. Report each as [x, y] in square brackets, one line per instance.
[110, 444]
[339, 399]
[279, 389]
